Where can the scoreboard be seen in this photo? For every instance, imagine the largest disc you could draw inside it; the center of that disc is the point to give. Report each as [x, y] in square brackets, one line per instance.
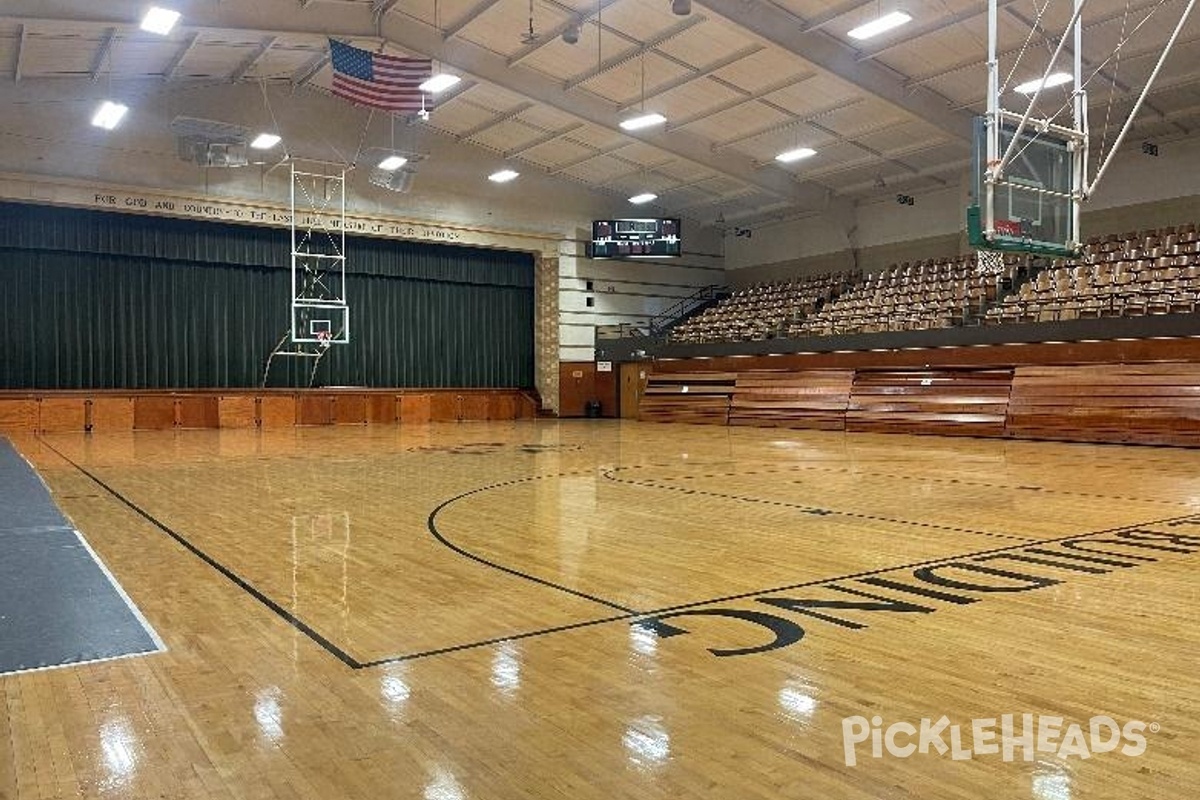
[635, 238]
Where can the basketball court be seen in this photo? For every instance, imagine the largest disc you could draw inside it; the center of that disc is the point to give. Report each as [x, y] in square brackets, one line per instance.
[373, 556]
[548, 608]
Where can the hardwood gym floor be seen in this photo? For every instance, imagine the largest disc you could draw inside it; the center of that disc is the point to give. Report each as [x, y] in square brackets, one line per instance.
[488, 611]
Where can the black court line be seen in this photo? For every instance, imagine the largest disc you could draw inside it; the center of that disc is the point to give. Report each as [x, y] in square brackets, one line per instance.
[237, 580]
[743, 595]
[431, 523]
[627, 614]
[957, 481]
[654, 484]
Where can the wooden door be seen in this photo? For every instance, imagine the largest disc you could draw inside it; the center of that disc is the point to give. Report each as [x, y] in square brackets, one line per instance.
[633, 384]
[576, 385]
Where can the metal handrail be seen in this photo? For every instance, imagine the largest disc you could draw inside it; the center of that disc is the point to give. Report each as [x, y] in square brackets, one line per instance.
[659, 323]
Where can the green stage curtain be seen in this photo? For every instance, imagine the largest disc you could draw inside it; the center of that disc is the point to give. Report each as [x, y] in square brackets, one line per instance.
[97, 300]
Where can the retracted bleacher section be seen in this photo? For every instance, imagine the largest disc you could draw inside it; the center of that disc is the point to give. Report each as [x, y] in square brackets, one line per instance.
[808, 399]
[1142, 403]
[959, 402]
[1121, 403]
[699, 397]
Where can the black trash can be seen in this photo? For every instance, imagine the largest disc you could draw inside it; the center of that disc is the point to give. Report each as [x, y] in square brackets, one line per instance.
[591, 409]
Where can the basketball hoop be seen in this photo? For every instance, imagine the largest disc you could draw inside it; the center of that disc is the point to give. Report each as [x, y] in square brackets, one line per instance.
[324, 339]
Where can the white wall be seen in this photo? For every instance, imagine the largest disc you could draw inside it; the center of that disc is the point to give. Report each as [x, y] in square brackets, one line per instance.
[628, 291]
[1132, 179]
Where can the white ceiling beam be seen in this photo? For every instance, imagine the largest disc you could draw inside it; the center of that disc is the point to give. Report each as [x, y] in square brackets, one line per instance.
[777, 26]
[172, 71]
[596, 153]
[357, 21]
[827, 16]
[915, 82]
[557, 31]
[747, 97]
[306, 73]
[891, 181]
[382, 7]
[699, 72]
[19, 58]
[499, 119]
[480, 8]
[801, 119]
[907, 35]
[248, 64]
[550, 136]
[106, 44]
[629, 55]
[1068, 54]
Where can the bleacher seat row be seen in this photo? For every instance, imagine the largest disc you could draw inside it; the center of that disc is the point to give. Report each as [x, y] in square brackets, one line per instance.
[1137, 273]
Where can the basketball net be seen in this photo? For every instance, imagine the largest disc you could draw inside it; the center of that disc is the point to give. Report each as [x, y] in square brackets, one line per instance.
[990, 262]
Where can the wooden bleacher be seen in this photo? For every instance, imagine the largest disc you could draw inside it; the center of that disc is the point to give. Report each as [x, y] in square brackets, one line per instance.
[1140, 403]
[803, 399]
[695, 397]
[1143, 403]
[949, 402]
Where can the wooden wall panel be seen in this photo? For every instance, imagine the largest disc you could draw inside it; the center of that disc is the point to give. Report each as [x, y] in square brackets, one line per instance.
[56, 414]
[153, 413]
[445, 407]
[237, 411]
[109, 414]
[277, 411]
[502, 406]
[1147, 403]
[350, 409]
[415, 408]
[476, 406]
[19, 415]
[314, 409]
[802, 399]
[700, 397]
[199, 411]
[382, 408]
[941, 401]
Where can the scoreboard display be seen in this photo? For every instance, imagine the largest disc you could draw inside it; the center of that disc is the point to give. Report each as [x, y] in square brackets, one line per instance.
[636, 238]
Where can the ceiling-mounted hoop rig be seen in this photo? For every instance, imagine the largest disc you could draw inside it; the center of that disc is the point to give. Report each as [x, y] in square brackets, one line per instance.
[319, 309]
[1030, 173]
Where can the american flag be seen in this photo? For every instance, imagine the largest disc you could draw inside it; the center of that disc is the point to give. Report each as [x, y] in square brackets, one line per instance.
[378, 80]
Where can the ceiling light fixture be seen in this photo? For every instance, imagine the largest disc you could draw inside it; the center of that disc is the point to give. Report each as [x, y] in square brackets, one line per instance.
[681, 7]
[109, 115]
[393, 163]
[439, 83]
[644, 197]
[265, 141]
[159, 20]
[880, 25]
[642, 121]
[788, 156]
[503, 176]
[1054, 79]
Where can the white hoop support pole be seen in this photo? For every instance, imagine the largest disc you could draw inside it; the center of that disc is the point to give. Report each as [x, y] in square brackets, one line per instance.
[1038, 92]
[1145, 91]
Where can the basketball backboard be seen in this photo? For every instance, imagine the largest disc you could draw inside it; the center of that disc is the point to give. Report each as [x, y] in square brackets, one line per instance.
[1033, 205]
